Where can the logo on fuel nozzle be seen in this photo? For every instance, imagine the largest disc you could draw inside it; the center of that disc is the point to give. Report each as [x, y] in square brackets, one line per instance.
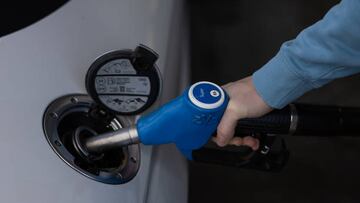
[206, 95]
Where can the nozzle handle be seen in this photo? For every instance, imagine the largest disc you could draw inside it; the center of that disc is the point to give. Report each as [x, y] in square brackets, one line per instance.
[275, 122]
[304, 120]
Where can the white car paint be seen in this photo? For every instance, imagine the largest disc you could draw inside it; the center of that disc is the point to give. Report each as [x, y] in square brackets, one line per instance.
[49, 59]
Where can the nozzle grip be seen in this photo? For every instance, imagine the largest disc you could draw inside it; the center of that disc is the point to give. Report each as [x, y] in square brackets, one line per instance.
[275, 122]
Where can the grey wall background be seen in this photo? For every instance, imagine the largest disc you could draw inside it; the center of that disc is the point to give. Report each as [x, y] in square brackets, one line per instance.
[230, 39]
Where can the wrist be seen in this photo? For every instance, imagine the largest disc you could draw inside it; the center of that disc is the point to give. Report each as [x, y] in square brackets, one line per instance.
[277, 84]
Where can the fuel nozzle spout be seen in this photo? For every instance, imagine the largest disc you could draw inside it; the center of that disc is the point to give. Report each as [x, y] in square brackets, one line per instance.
[98, 144]
[188, 121]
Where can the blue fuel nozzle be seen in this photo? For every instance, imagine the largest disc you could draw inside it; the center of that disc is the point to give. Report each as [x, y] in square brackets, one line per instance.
[188, 121]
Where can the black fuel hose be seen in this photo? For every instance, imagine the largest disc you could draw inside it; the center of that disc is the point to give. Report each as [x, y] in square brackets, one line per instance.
[304, 120]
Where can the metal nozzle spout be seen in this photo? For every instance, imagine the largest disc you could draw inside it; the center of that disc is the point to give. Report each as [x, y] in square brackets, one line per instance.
[111, 140]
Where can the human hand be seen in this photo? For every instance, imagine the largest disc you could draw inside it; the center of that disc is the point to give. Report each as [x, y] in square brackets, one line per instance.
[244, 103]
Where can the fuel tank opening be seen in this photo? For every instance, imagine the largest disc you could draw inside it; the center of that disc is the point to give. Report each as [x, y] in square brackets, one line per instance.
[81, 133]
[80, 126]
[70, 119]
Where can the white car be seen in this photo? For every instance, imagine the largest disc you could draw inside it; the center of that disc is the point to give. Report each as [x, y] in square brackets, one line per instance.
[49, 59]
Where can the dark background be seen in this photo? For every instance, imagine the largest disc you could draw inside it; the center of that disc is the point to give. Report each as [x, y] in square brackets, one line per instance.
[230, 39]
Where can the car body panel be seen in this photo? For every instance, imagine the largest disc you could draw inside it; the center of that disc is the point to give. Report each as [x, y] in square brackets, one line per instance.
[49, 59]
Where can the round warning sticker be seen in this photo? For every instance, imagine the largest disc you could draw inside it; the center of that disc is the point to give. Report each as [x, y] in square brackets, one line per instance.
[123, 93]
[125, 82]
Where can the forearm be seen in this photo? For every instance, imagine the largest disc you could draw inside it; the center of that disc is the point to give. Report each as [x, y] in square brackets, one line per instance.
[325, 51]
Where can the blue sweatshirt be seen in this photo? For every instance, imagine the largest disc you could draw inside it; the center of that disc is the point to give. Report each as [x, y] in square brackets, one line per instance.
[327, 50]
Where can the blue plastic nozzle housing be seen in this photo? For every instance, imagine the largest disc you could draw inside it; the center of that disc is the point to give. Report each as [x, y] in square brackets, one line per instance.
[187, 121]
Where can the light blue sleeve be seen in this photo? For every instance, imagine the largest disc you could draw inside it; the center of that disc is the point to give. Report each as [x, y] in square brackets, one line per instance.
[327, 50]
